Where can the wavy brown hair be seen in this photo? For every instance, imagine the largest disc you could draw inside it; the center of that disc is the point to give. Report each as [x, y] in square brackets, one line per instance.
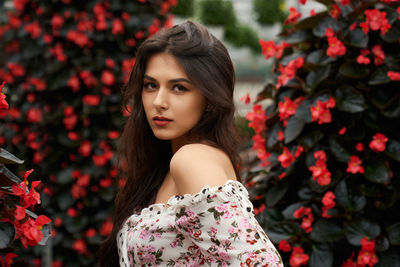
[143, 158]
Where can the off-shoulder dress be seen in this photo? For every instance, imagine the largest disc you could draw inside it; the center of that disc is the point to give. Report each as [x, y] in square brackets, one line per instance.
[215, 227]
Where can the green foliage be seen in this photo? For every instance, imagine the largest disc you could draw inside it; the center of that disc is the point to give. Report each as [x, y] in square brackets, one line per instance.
[217, 12]
[336, 102]
[67, 61]
[185, 8]
[268, 12]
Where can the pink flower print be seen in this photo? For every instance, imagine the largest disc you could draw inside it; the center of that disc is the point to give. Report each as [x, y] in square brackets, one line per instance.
[271, 257]
[149, 249]
[182, 220]
[245, 224]
[148, 258]
[232, 230]
[190, 213]
[223, 255]
[213, 231]
[173, 244]
[227, 215]
[221, 208]
[144, 234]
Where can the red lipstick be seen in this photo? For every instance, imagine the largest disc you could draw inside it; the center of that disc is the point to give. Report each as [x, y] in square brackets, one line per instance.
[161, 121]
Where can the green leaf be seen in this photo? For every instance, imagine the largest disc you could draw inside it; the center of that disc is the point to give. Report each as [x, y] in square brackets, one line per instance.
[377, 171]
[298, 37]
[7, 234]
[394, 233]
[389, 258]
[326, 231]
[338, 150]
[317, 76]
[276, 192]
[282, 231]
[379, 76]
[393, 149]
[319, 57]
[64, 200]
[65, 176]
[311, 138]
[311, 22]
[381, 97]
[357, 38]
[293, 129]
[346, 198]
[272, 139]
[356, 230]
[303, 111]
[326, 23]
[392, 36]
[354, 70]
[8, 158]
[7, 177]
[349, 99]
[321, 255]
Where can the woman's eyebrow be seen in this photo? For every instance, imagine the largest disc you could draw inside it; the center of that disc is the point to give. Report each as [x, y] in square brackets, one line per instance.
[170, 81]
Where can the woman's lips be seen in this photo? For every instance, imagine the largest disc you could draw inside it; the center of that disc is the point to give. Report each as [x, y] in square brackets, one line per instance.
[161, 122]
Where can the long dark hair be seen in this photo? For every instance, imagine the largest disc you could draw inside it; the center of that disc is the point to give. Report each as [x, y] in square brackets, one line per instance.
[143, 158]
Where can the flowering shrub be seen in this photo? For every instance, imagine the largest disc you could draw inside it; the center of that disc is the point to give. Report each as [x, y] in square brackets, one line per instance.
[16, 221]
[326, 180]
[67, 61]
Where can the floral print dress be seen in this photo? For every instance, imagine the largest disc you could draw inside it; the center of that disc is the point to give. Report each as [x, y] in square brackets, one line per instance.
[215, 227]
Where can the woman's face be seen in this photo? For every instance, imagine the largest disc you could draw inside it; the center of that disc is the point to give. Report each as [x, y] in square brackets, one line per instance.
[167, 92]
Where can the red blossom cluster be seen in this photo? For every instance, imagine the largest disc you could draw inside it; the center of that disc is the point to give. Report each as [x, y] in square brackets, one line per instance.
[354, 165]
[298, 257]
[289, 72]
[336, 47]
[378, 142]
[8, 259]
[307, 218]
[3, 102]
[366, 255]
[319, 171]
[270, 49]
[288, 107]
[28, 230]
[293, 17]
[377, 52]
[284, 246]
[328, 200]
[257, 120]
[375, 20]
[320, 112]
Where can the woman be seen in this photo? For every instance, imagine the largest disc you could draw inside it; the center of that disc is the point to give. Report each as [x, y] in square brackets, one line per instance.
[182, 204]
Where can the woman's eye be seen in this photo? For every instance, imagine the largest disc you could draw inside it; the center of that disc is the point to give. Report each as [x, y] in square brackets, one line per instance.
[149, 85]
[180, 88]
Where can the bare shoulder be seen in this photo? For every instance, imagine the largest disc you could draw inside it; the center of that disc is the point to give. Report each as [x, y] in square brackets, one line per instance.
[194, 166]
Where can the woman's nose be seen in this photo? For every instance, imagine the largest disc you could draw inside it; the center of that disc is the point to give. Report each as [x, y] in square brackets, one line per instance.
[161, 99]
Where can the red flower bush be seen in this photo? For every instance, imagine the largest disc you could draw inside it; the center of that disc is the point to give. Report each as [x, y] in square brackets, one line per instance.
[331, 137]
[67, 61]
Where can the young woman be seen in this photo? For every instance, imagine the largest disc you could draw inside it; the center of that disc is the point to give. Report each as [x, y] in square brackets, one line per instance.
[182, 204]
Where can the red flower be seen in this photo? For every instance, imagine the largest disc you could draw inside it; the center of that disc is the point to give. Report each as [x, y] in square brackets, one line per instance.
[58, 52]
[335, 11]
[378, 143]
[286, 158]
[85, 148]
[107, 77]
[34, 115]
[319, 171]
[80, 246]
[379, 54]
[367, 244]
[110, 63]
[328, 199]
[281, 136]
[74, 83]
[30, 232]
[19, 213]
[91, 100]
[3, 102]
[354, 165]
[287, 108]
[298, 152]
[282, 175]
[298, 257]
[56, 22]
[359, 147]
[79, 38]
[312, 12]
[303, 2]
[289, 72]
[113, 134]
[284, 246]
[257, 119]
[353, 26]
[320, 154]
[88, 79]
[118, 27]
[33, 29]
[16, 69]
[8, 259]
[394, 76]
[336, 47]
[376, 20]
[293, 16]
[270, 49]
[106, 227]
[342, 131]
[344, 2]
[245, 98]
[321, 111]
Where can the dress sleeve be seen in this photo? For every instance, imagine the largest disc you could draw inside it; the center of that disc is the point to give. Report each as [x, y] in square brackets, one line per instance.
[222, 227]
